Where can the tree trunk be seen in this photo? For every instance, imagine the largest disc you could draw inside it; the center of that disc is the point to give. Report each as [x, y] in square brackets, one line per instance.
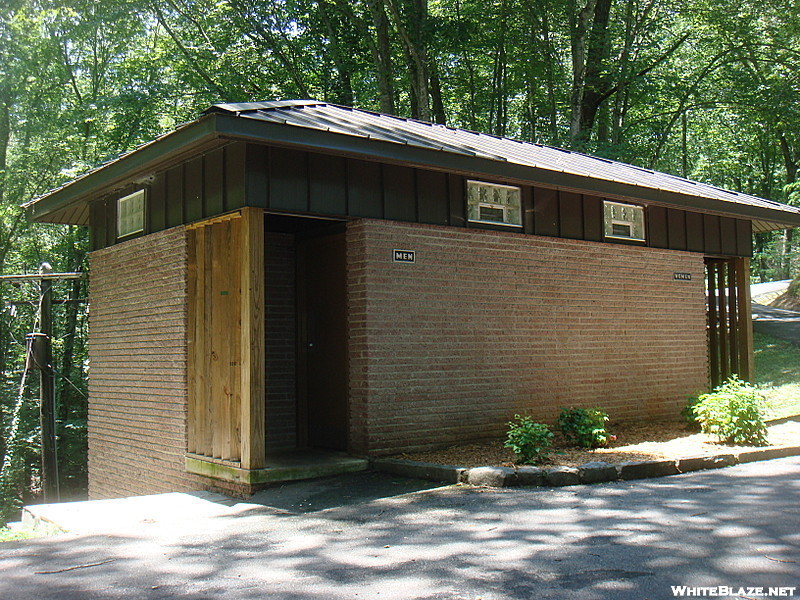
[498, 114]
[579, 28]
[413, 40]
[595, 82]
[466, 60]
[5, 136]
[790, 162]
[343, 87]
[437, 105]
[382, 56]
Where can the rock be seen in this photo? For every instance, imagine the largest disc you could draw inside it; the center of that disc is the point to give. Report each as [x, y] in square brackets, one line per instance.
[559, 476]
[492, 476]
[597, 472]
[530, 475]
[699, 463]
[767, 453]
[648, 468]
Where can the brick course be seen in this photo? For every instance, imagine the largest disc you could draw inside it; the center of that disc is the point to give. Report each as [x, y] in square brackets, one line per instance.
[137, 353]
[487, 324]
[484, 325]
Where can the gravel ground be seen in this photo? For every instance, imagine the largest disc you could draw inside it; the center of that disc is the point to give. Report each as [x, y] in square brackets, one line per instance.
[649, 441]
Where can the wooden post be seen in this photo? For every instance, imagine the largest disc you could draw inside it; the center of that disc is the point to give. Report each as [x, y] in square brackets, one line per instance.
[745, 321]
[722, 314]
[713, 323]
[40, 357]
[733, 314]
[47, 396]
[252, 338]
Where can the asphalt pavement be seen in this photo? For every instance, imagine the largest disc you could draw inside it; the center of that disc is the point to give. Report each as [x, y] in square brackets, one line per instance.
[737, 527]
[777, 322]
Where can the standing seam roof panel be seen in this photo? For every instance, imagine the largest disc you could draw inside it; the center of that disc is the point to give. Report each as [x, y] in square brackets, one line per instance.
[366, 124]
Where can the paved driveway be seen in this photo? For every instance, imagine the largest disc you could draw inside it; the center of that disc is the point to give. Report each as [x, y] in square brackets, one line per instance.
[777, 322]
[736, 527]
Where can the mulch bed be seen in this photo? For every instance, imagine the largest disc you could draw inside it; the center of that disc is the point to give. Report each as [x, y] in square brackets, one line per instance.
[635, 441]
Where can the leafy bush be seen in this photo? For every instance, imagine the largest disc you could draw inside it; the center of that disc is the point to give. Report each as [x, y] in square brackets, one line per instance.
[732, 413]
[687, 412]
[584, 427]
[528, 440]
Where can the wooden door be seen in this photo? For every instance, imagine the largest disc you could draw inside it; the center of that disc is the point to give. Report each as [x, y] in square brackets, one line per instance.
[322, 335]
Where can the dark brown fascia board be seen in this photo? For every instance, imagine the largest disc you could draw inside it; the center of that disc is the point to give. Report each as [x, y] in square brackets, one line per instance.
[152, 156]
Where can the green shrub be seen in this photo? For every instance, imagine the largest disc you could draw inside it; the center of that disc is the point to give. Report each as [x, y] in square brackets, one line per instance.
[732, 413]
[687, 412]
[584, 427]
[528, 440]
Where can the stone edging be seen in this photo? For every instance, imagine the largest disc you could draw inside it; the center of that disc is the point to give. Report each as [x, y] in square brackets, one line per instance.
[591, 472]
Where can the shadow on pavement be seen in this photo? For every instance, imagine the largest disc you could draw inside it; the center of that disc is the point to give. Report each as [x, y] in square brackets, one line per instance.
[337, 491]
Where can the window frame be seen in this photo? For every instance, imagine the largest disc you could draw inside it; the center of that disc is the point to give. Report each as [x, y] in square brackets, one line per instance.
[609, 221]
[506, 222]
[137, 196]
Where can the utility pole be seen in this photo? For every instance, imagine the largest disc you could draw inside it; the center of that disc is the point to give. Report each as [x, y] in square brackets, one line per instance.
[40, 358]
[47, 392]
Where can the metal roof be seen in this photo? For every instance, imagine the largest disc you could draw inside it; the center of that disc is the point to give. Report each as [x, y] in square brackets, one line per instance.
[313, 124]
[361, 123]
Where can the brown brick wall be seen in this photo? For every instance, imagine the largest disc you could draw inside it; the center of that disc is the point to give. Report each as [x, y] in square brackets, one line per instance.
[137, 376]
[280, 325]
[487, 324]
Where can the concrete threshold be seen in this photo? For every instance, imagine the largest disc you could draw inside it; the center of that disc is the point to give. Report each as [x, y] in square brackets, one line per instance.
[289, 465]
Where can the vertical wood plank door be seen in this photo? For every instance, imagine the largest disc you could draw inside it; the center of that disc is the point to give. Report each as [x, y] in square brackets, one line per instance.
[323, 341]
[225, 338]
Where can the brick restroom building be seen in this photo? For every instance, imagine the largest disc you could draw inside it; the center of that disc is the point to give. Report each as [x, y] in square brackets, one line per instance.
[281, 276]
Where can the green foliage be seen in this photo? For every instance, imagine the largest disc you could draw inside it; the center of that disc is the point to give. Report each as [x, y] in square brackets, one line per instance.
[584, 427]
[528, 440]
[687, 412]
[732, 413]
[9, 535]
[777, 365]
[794, 289]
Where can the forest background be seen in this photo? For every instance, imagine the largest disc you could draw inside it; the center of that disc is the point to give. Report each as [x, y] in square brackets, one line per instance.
[704, 89]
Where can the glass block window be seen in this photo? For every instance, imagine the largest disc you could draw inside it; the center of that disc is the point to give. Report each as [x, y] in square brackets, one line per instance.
[130, 214]
[494, 203]
[623, 221]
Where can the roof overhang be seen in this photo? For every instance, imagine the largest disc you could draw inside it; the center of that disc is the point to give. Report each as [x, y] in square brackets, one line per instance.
[69, 203]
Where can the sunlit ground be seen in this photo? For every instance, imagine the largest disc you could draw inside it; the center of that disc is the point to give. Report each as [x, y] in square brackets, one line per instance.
[777, 365]
[8, 535]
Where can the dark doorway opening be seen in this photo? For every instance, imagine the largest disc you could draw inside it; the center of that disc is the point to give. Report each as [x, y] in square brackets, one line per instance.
[306, 328]
[322, 338]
